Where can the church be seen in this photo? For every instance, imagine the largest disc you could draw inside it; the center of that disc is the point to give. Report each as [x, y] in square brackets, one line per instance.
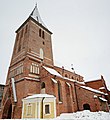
[32, 74]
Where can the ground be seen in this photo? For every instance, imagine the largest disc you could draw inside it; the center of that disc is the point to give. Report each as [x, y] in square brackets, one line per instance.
[84, 115]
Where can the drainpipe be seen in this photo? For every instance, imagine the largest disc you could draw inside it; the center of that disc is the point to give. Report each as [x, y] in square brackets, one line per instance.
[13, 108]
[42, 107]
[14, 96]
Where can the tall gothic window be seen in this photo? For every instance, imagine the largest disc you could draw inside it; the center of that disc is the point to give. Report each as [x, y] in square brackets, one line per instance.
[43, 85]
[39, 32]
[43, 35]
[59, 92]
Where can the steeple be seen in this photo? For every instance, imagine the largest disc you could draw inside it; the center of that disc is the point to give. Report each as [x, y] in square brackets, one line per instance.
[35, 15]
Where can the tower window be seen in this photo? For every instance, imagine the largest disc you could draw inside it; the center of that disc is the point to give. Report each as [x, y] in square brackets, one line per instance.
[43, 43]
[39, 32]
[43, 35]
[34, 68]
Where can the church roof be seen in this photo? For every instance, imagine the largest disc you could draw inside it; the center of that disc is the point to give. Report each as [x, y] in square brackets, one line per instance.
[39, 96]
[36, 16]
[52, 71]
[93, 90]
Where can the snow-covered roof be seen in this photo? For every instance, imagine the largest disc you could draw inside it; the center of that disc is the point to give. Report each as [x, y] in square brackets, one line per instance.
[52, 71]
[103, 99]
[95, 96]
[74, 80]
[93, 90]
[68, 84]
[101, 88]
[55, 81]
[35, 15]
[39, 96]
[92, 80]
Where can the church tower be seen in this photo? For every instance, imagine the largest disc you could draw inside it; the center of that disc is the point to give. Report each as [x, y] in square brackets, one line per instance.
[34, 39]
[32, 48]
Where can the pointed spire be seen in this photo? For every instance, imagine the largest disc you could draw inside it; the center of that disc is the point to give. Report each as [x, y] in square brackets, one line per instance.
[35, 14]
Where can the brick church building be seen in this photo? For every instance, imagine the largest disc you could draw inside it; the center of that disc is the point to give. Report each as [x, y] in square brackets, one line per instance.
[32, 71]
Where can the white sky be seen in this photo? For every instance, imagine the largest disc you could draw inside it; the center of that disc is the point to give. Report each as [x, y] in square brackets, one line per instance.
[81, 33]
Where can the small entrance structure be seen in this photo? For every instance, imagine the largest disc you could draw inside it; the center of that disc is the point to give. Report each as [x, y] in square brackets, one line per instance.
[39, 106]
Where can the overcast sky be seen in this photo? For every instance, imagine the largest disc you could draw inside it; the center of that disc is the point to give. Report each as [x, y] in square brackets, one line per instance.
[81, 33]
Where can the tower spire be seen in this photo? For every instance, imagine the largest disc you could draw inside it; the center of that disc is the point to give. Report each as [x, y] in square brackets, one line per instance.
[35, 15]
[36, 4]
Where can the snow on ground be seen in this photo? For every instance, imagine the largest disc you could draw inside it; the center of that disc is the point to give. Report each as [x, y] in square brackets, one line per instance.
[84, 115]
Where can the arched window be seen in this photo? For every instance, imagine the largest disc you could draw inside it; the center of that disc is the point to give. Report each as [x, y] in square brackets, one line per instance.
[59, 92]
[41, 53]
[86, 107]
[43, 43]
[42, 85]
[42, 88]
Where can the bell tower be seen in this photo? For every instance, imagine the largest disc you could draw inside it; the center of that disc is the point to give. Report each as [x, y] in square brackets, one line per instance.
[34, 38]
[32, 47]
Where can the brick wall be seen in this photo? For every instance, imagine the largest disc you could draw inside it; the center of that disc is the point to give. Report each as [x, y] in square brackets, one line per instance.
[87, 97]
